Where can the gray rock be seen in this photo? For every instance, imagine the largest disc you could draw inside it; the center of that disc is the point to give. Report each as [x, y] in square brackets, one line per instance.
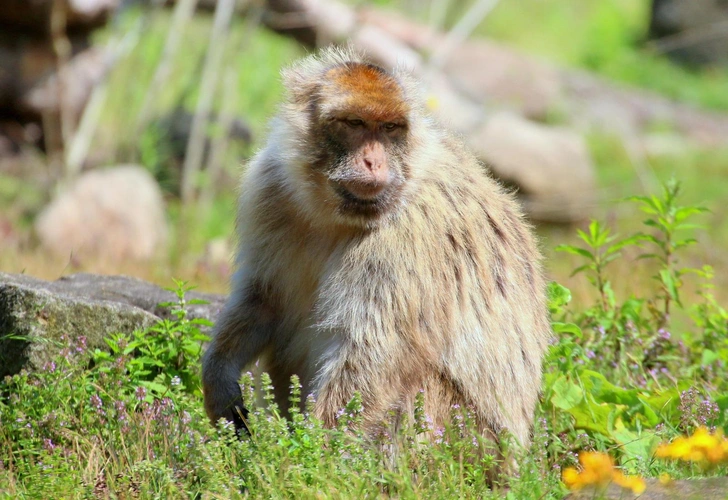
[550, 165]
[711, 488]
[505, 78]
[110, 214]
[35, 314]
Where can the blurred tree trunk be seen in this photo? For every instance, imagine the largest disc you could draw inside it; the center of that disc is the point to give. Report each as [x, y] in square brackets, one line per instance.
[34, 16]
[691, 31]
[288, 17]
[39, 43]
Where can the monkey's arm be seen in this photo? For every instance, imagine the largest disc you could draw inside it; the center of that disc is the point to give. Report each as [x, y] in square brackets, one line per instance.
[243, 330]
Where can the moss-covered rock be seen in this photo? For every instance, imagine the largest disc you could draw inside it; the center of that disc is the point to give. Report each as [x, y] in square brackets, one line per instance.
[35, 314]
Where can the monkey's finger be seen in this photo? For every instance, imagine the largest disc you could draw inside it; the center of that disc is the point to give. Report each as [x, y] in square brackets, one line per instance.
[240, 420]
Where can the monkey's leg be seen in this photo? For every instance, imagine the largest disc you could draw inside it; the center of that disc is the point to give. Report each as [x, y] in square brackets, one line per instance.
[243, 330]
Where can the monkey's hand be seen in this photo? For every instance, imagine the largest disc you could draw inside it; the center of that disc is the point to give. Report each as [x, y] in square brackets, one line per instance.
[221, 391]
[232, 410]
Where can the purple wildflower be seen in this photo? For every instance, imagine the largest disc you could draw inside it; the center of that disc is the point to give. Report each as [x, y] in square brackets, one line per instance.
[96, 402]
[48, 445]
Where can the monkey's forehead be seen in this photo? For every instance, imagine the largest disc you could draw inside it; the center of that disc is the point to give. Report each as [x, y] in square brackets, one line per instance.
[368, 91]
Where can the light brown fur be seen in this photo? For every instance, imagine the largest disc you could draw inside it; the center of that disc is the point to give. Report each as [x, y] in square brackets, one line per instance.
[441, 290]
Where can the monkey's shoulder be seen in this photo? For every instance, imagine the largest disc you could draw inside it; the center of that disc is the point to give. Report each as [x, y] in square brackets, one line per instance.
[466, 192]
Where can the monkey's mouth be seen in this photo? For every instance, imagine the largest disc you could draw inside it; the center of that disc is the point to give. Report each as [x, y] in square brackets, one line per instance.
[353, 205]
[349, 197]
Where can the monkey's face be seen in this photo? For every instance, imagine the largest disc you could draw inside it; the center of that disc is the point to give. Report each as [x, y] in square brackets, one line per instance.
[365, 171]
[361, 117]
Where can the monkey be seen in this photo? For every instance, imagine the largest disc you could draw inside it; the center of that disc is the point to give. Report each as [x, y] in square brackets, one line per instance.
[377, 256]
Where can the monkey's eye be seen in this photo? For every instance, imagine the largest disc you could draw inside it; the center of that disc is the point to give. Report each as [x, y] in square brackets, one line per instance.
[355, 122]
[389, 126]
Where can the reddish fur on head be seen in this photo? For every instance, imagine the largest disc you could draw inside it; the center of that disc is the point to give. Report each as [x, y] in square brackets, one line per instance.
[367, 90]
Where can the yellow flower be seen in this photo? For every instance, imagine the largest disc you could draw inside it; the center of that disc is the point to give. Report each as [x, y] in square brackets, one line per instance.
[597, 469]
[704, 439]
[702, 446]
[665, 478]
[716, 455]
[679, 449]
[634, 483]
[571, 479]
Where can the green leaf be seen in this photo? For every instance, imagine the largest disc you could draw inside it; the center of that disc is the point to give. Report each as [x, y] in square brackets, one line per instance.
[566, 394]
[641, 199]
[570, 328]
[575, 250]
[633, 444]
[635, 240]
[651, 223]
[609, 294]
[683, 213]
[648, 256]
[610, 258]
[649, 237]
[580, 269]
[154, 387]
[685, 242]
[689, 226]
[146, 360]
[599, 234]
[594, 229]
[667, 279]
[558, 297]
[709, 357]
[593, 417]
[648, 204]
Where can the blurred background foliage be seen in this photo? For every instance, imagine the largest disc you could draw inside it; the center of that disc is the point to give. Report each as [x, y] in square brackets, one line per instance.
[607, 37]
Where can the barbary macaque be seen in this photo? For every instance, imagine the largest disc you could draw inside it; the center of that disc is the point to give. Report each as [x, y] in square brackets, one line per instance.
[376, 255]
